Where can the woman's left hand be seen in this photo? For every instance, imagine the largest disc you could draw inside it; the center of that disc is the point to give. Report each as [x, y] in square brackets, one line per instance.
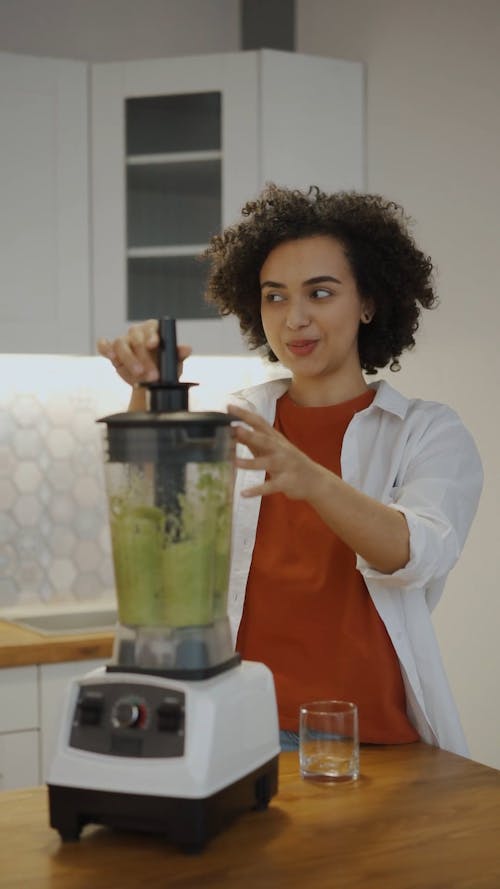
[378, 533]
[288, 470]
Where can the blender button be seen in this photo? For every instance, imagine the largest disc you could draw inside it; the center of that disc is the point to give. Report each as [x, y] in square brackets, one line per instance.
[90, 711]
[170, 717]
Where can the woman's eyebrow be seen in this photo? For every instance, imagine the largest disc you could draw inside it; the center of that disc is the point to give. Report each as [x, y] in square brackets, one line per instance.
[272, 284]
[321, 278]
[316, 280]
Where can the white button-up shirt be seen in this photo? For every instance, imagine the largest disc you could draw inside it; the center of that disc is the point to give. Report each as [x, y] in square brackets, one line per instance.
[417, 457]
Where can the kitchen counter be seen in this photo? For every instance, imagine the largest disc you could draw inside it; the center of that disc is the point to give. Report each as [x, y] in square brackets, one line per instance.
[20, 647]
[418, 818]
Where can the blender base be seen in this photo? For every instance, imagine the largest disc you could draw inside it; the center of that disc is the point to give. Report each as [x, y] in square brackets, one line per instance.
[187, 823]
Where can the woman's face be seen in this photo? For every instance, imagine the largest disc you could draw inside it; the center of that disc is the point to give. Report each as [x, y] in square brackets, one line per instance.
[311, 309]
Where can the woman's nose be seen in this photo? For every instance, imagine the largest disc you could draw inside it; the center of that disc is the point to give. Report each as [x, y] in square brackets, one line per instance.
[297, 315]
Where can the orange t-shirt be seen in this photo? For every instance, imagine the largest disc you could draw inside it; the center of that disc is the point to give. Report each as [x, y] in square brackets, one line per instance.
[308, 614]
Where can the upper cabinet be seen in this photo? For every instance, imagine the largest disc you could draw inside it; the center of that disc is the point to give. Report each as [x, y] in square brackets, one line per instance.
[179, 145]
[174, 147]
[44, 198]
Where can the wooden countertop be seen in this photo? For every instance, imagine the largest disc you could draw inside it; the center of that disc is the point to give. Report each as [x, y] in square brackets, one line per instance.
[20, 647]
[418, 818]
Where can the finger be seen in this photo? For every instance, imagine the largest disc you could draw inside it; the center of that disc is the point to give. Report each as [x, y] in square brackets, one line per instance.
[183, 352]
[251, 438]
[256, 463]
[151, 333]
[105, 348]
[144, 347]
[126, 357]
[260, 490]
[259, 443]
[249, 417]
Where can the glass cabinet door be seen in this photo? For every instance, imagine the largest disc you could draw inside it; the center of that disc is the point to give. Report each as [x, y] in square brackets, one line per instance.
[179, 145]
[173, 201]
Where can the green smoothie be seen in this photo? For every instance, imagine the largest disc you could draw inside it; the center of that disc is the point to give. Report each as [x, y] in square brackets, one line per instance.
[217, 491]
[187, 569]
[137, 540]
[173, 570]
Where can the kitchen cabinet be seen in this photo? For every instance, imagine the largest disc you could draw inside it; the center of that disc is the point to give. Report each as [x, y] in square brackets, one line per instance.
[179, 145]
[44, 201]
[19, 728]
[175, 146]
[31, 707]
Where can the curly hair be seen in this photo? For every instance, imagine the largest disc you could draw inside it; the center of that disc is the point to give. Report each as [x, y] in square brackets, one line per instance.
[388, 267]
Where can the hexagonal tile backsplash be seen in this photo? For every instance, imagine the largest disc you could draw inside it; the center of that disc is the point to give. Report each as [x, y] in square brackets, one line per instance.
[54, 533]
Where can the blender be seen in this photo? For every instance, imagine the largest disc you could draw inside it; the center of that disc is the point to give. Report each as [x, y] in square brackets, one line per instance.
[177, 735]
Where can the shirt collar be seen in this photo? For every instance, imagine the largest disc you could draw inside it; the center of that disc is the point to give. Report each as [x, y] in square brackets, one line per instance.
[389, 399]
[386, 398]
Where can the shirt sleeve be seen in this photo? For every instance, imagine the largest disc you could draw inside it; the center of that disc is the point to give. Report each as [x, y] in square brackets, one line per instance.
[438, 493]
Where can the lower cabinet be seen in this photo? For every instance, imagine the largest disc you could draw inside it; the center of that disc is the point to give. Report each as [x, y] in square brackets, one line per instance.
[31, 709]
[19, 728]
[19, 756]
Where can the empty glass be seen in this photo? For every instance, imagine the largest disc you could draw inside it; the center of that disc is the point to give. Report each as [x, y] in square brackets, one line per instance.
[329, 741]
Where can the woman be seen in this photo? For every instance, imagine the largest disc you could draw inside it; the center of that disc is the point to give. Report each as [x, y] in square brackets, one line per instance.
[352, 502]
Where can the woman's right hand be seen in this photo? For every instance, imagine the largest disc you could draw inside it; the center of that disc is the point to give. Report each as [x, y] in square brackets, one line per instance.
[134, 355]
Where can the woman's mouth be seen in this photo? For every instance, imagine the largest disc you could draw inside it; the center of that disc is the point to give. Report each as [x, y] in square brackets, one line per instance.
[302, 347]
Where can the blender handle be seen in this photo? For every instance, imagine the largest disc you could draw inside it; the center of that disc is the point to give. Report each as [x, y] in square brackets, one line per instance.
[167, 352]
[167, 394]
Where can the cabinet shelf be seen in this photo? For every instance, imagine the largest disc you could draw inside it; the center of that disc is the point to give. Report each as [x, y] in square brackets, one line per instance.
[153, 252]
[174, 157]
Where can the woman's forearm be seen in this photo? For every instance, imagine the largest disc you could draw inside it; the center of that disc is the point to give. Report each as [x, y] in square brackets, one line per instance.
[376, 532]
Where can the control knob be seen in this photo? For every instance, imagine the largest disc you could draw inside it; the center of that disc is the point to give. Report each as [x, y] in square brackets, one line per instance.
[127, 714]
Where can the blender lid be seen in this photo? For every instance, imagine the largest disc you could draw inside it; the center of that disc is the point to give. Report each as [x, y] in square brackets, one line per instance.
[204, 419]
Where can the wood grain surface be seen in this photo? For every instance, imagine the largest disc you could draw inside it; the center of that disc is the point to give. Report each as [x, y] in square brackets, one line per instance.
[20, 647]
[418, 818]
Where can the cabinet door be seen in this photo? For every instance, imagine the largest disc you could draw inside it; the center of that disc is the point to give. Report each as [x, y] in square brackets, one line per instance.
[162, 183]
[18, 699]
[44, 255]
[19, 760]
[311, 118]
[19, 721]
[54, 682]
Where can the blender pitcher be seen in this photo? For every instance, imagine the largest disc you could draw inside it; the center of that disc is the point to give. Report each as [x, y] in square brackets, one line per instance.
[169, 479]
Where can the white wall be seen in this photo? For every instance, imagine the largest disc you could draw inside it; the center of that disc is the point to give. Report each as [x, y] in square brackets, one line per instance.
[433, 144]
[117, 30]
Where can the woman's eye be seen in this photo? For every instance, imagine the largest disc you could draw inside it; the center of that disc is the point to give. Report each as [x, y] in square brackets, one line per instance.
[274, 297]
[320, 293]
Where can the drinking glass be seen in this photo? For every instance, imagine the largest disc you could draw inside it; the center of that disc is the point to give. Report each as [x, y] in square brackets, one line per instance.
[329, 741]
